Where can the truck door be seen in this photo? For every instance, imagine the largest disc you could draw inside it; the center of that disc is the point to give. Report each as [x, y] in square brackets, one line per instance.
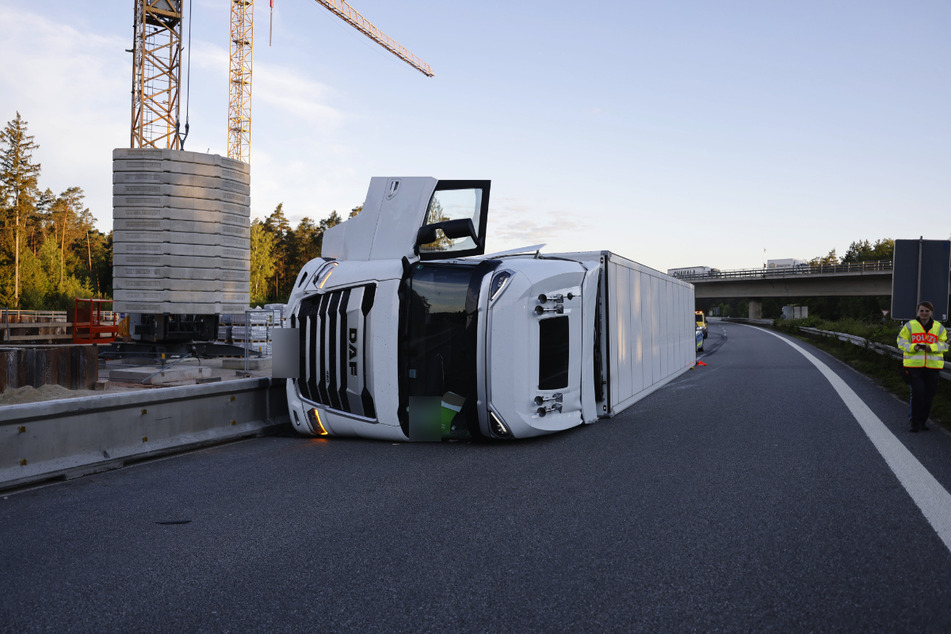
[413, 217]
[455, 221]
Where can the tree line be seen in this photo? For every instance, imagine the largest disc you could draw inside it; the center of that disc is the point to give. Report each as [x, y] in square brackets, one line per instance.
[860, 251]
[279, 252]
[51, 251]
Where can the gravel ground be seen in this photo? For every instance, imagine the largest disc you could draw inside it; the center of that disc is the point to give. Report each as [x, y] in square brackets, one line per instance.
[29, 394]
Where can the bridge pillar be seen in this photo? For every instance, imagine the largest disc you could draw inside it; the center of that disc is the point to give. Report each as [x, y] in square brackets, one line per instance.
[756, 309]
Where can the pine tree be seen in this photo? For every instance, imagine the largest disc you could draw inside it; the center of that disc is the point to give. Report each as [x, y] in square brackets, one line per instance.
[68, 218]
[305, 245]
[277, 225]
[18, 189]
[262, 261]
[863, 251]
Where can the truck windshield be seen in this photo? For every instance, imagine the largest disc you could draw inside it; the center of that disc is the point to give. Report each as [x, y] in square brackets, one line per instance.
[437, 351]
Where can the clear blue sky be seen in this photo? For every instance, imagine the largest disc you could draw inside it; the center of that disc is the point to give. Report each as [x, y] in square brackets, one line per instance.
[675, 133]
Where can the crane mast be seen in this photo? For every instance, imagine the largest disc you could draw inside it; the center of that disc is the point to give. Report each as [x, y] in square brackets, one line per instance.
[156, 73]
[157, 67]
[239, 92]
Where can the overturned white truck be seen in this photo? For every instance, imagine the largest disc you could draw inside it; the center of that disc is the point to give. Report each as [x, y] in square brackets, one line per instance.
[405, 330]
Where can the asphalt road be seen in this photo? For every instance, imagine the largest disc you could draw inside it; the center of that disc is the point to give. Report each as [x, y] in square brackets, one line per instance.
[744, 496]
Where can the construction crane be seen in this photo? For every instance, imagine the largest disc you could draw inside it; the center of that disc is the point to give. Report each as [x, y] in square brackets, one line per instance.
[239, 91]
[157, 62]
[242, 27]
[157, 66]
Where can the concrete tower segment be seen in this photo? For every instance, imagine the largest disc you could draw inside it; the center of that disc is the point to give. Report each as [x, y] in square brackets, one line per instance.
[181, 232]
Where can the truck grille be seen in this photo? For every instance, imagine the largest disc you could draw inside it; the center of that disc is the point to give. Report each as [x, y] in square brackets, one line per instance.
[333, 368]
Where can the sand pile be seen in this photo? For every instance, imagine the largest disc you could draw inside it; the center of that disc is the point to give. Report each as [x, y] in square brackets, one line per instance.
[30, 394]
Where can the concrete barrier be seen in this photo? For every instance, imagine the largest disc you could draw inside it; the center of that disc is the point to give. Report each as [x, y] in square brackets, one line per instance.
[71, 437]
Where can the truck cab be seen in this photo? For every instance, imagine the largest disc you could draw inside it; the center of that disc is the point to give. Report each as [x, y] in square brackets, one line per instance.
[392, 328]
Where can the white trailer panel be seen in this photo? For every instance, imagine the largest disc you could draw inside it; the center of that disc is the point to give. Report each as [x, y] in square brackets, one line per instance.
[786, 263]
[649, 336]
[648, 333]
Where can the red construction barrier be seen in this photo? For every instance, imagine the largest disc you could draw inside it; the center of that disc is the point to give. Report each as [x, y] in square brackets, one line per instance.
[89, 325]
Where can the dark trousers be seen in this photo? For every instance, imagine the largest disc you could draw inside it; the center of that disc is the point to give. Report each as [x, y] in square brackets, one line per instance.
[924, 384]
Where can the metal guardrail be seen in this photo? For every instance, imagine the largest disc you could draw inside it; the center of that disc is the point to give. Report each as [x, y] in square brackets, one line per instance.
[874, 346]
[880, 348]
[71, 437]
[851, 268]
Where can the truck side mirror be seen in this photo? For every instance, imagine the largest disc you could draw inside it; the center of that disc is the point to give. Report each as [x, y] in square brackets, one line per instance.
[452, 229]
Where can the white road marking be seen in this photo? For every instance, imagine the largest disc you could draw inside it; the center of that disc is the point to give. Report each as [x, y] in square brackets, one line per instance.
[933, 499]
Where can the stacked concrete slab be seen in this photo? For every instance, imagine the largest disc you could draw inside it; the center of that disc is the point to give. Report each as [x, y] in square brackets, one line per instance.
[181, 232]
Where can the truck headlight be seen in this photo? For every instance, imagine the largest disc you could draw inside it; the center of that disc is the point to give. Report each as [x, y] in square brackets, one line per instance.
[313, 417]
[498, 427]
[500, 282]
[323, 275]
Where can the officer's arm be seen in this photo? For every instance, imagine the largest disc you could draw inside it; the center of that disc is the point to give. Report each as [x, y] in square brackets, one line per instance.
[942, 343]
[904, 339]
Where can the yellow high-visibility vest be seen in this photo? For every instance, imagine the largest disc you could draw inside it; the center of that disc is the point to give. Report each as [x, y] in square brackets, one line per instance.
[936, 338]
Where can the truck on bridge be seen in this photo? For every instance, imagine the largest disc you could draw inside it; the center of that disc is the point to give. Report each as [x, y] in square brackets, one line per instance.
[405, 330]
[693, 271]
[786, 263]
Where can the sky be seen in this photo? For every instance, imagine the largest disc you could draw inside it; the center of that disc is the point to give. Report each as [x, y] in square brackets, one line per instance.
[678, 133]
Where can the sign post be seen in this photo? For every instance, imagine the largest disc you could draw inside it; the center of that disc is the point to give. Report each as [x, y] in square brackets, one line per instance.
[921, 271]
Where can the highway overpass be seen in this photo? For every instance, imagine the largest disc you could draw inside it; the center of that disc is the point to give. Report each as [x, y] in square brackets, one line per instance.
[858, 279]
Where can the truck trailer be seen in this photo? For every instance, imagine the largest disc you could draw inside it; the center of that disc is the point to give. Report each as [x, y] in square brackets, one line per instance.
[786, 263]
[405, 330]
[693, 271]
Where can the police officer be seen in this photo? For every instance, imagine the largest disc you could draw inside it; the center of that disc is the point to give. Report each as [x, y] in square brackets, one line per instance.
[923, 342]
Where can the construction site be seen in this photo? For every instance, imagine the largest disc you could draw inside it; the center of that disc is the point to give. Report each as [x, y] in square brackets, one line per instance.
[180, 318]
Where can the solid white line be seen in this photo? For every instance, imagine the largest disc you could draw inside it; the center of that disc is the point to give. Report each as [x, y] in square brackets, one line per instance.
[933, 499]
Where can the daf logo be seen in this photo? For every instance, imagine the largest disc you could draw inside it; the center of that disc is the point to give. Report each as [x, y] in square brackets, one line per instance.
[352, 349]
